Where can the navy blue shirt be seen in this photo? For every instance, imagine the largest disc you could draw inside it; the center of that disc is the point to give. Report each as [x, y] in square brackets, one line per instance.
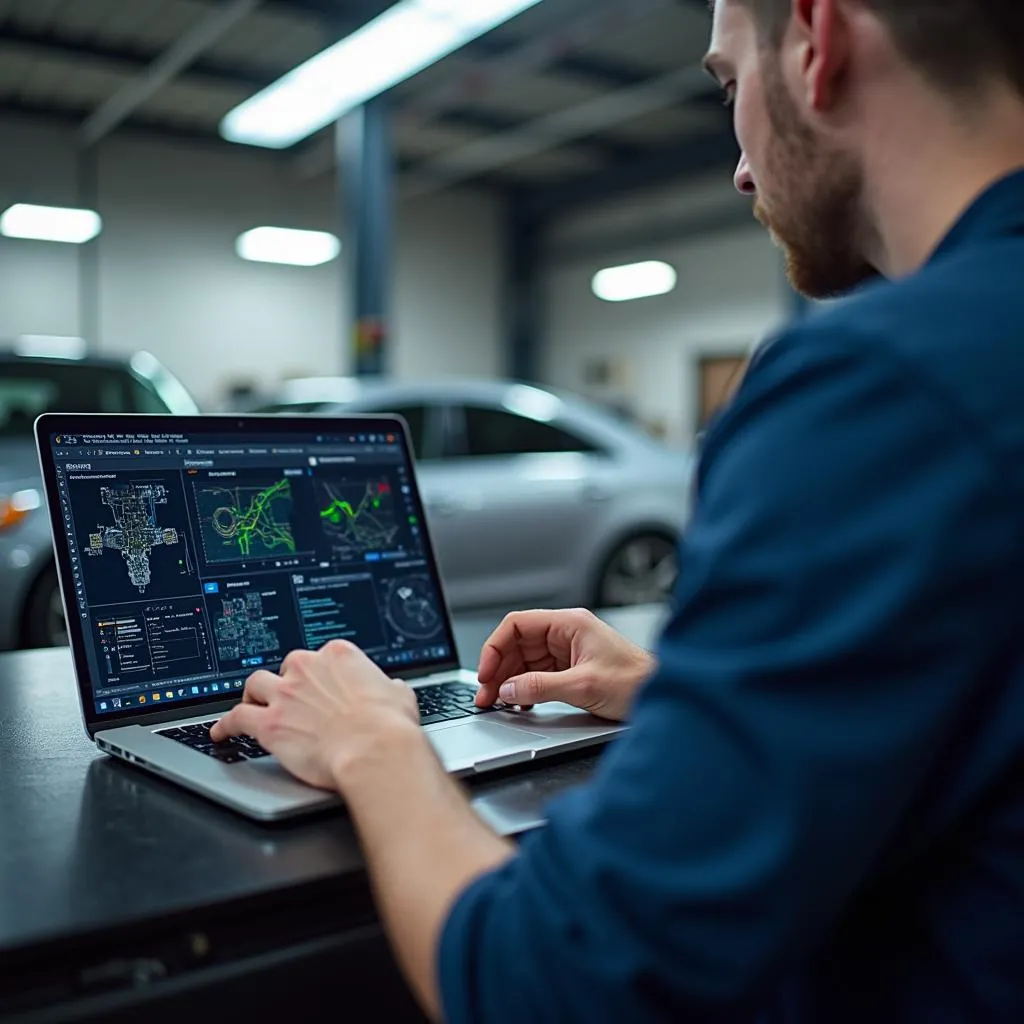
[818, 814]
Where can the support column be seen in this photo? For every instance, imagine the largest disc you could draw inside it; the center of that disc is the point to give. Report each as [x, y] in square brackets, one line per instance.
[365, 159]
[89, 253]
[523, 307]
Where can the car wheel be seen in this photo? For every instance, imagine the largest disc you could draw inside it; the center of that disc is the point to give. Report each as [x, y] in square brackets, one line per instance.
[44, 613]
[643, 570]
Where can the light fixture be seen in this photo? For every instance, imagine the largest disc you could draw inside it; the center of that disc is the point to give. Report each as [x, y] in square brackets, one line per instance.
[53, 346]
[50, 223]
[287, 245]
[635, 281]
[16, 507]
[405, 39]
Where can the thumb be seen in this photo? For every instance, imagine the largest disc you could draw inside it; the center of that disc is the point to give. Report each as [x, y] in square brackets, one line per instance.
[539, 687]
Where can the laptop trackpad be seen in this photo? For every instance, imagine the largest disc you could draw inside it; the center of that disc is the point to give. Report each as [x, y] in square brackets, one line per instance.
[478, 741]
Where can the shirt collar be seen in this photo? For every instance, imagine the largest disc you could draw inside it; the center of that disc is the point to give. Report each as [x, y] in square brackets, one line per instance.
[998, 212]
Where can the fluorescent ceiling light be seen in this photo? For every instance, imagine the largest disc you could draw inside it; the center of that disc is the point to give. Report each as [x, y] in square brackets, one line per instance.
[288, 246]
[50, 223]
[50, 345]
[405, 39]
[635, 281]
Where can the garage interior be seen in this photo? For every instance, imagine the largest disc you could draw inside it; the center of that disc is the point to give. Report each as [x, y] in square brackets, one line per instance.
[471, 215]
[448, 572]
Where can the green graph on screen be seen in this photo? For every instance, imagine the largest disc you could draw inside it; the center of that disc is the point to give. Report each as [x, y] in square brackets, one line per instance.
[245, 522]
[358, 516]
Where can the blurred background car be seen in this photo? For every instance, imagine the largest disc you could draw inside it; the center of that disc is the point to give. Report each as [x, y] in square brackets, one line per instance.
[534, 497]
[31, 613]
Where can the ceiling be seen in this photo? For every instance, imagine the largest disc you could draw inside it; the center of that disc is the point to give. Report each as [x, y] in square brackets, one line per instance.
[570, 94]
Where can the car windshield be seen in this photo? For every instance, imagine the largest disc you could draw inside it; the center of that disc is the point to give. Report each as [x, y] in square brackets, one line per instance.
[294, 407]
[29, 388]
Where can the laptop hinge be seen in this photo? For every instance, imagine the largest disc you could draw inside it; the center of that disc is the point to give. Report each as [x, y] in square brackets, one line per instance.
[171, 714]
[425, 673]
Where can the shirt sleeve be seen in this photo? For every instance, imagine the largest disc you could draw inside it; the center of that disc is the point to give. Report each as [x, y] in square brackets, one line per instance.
[833, 609]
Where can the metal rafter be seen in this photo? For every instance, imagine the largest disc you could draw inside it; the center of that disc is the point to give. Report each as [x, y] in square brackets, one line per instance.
[711, 151]
[605, 150]
[498, 65]
[139, 126]
[123, 60]
[175, 59]
[336, 17]
[579, 122]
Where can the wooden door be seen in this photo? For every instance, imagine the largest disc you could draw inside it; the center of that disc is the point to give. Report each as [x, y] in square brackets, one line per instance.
[720, 376]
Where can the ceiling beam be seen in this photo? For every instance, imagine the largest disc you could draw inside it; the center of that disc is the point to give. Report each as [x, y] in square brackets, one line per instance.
[138, 126]
[712, 151]
[605, 150]
[503, 65]
[124, 61]
[663, 231]
[554, 50]
[553, 130]
[164, 69]
[328, 10]
[338, 18]
[597, 71]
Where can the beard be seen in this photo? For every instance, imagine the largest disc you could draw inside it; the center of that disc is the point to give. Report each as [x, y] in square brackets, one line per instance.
[815, 211]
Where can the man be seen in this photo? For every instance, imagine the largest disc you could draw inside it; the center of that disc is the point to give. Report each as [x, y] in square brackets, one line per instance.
[818, 814]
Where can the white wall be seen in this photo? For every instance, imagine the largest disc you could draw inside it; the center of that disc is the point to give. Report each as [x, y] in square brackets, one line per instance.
[448, 279]
[171, 283]
[731, 292]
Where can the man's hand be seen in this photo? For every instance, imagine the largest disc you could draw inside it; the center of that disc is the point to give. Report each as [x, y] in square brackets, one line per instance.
[324, 713]
[337, 722]
[570, 656]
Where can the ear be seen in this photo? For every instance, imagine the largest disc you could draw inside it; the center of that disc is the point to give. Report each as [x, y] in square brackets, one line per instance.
[824, 33]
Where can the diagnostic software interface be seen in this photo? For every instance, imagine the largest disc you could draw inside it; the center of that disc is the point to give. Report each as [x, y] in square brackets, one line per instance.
[198, 559]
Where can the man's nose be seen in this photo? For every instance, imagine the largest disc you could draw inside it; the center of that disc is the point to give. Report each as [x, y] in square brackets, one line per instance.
[743, 179]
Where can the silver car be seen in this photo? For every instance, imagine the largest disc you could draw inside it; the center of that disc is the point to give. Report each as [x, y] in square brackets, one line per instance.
[534, 497]
[31, 614]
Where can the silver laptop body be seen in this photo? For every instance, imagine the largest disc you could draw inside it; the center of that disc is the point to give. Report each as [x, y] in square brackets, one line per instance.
[194, 550]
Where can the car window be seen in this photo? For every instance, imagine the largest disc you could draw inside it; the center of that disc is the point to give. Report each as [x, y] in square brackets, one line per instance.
[145, 399]
[416, 417]
[491, 432]
[424, 421]
[295, 408]
[29, 388]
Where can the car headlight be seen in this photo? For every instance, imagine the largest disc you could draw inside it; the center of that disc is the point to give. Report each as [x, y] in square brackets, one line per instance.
[17, 506]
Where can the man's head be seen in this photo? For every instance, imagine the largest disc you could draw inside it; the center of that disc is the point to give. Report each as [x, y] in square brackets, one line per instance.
[809, 79]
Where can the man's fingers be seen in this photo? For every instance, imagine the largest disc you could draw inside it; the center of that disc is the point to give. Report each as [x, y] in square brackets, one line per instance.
[260, 686]
[490, 658]
[503, 642]
[241, 720]
[530, 633]
[542, 687]
[487, 695]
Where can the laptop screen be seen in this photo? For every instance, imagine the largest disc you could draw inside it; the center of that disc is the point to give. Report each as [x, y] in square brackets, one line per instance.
[197, 556]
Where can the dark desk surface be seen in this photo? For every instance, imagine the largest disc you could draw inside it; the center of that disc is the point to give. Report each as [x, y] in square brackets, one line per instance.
[90, 847]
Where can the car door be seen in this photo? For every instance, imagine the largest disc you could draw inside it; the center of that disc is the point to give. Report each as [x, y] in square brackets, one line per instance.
[512, 494]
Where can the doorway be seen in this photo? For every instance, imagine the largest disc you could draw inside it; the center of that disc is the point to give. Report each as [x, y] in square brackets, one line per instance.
[720, 377]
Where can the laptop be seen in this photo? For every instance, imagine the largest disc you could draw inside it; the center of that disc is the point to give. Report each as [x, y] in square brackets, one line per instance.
[193, 551]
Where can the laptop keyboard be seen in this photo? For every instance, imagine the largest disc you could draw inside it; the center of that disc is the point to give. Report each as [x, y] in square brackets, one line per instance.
[444, 702]
[447, 701]
[235, 750]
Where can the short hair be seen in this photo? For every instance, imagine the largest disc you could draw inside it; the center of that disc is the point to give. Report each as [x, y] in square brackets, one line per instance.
[960, 46]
